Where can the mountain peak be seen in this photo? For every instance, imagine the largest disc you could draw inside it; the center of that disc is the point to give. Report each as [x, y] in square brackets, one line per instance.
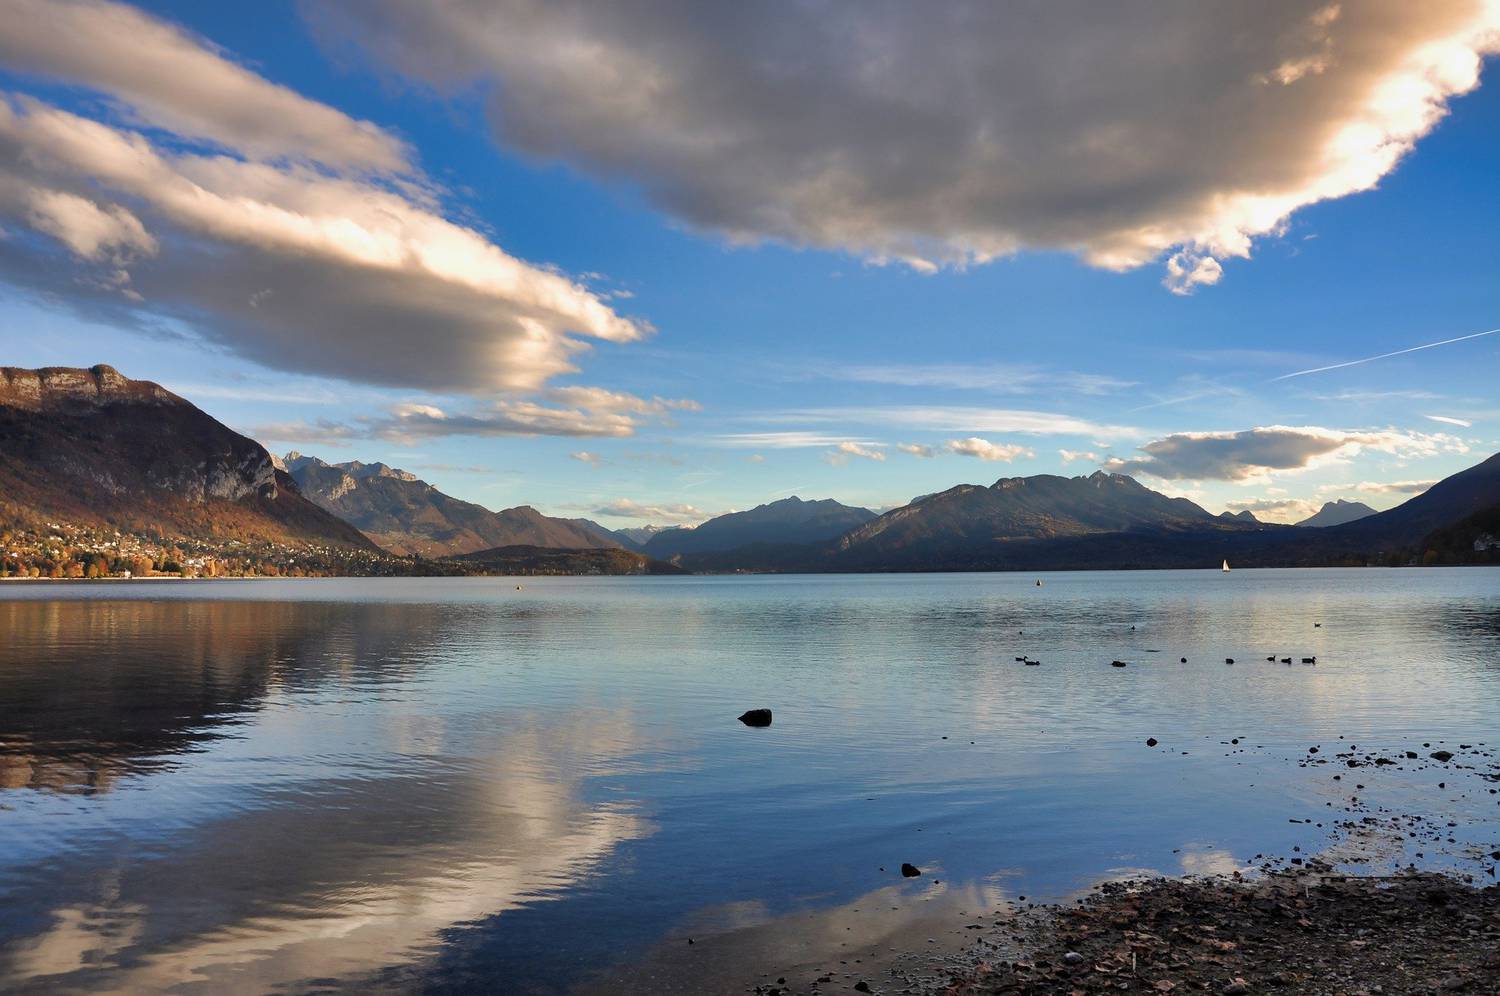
[94, 447]
[1337, 512]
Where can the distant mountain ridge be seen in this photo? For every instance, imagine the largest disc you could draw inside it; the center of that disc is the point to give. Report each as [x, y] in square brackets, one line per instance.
[405, 515]
[95, 447]
[968, 517]
[787, 521]
[1336, 513]
[640, 534]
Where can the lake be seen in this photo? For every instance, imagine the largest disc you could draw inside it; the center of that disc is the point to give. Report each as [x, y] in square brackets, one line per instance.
[433, 784]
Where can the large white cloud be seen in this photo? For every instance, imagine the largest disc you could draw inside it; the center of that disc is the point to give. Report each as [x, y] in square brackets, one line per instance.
[959, 131]
[1255, 454]
[298, 237]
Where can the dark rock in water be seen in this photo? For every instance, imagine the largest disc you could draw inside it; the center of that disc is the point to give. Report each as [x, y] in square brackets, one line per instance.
[1412, 754]
[909, 870]
[1229, 660]
[1151, 741]
[1182, 660]
[1116, 663]
[757, 717]
[1441, 755]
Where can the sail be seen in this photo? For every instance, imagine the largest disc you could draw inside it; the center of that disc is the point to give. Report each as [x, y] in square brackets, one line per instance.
[1226, 567]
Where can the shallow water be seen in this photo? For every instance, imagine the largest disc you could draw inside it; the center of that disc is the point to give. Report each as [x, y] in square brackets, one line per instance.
[431, 784]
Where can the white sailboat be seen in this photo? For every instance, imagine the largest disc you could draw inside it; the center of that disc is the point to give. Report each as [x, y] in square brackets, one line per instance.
[1226, 567]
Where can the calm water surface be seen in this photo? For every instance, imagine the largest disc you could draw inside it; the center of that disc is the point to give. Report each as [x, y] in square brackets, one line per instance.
[423, 785]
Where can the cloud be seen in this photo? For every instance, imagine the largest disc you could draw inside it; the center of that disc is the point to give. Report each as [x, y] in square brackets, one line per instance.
[411, 422]
[277, 226]
[917, 450]
[958, 133]
[1189, 269]
[1068, 456]
[603, 400]
[986, 450]
[1449, 420]
[1254, 454]
[954, 418]
[173, 81]
[584, 456]
[781, 440]
[1384, 487]
[1008, 378]
[625, 508]
[846, 451]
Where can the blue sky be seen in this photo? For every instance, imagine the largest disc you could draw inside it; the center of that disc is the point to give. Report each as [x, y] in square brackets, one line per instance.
[759, 335]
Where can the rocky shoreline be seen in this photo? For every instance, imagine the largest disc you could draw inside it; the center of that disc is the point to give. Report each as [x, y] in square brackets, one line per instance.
[1306, 932]
[1396, 901]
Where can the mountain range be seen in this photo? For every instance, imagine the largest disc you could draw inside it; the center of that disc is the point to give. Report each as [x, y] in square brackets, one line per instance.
[787, 521]
[92, 447]
[409, 517]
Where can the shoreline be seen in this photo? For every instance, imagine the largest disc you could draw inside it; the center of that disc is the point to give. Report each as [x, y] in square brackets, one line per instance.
[1396, 899]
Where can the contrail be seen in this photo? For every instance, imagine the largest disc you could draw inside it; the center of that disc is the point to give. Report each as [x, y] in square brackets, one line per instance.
[1382, 356]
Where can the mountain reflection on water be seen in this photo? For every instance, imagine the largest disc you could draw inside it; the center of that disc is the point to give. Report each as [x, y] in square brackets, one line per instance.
[420, 785]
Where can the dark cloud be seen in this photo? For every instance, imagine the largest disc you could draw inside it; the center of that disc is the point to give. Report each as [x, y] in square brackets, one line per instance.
[1256, 453]
[958, 131]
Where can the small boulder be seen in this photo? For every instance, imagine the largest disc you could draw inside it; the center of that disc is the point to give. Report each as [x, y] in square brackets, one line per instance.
[1229, 660]
[1151, 741]
[1073, 958]
[1441, 755]
[909, 870]
[1117, 664]
[756, 717]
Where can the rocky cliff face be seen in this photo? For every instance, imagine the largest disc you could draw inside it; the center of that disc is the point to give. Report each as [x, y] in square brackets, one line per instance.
[93, 446]
[72, 390]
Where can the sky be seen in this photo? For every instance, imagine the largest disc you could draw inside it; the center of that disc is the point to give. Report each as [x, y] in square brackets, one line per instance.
[650, 262]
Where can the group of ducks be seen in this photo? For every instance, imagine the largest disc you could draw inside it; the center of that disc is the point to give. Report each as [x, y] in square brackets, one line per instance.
[1026, 659]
